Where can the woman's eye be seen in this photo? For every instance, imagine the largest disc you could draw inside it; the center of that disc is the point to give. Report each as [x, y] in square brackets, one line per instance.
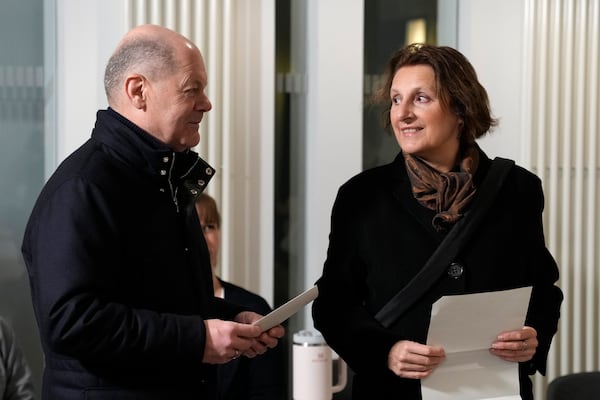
[209, 228]
[421, 99]
[395, 100]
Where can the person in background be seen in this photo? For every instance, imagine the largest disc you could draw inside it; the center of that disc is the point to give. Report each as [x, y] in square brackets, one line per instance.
[15, 376]
[387, 221]
[119, 270]
[244, 378]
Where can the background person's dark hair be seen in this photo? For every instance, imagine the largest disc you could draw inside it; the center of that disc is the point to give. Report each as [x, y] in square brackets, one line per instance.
[457, 86]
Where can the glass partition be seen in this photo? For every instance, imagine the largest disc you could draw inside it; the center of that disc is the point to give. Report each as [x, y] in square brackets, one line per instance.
[21, 160]
[389, 25]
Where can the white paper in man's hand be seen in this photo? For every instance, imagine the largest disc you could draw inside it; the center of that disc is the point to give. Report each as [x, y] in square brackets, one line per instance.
[288, 309]
[466, 326]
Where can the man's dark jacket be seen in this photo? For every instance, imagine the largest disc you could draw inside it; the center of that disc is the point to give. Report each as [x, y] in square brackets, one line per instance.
[119, 270]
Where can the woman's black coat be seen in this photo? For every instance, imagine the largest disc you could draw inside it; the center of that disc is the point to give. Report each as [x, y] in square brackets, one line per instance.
[380, 237]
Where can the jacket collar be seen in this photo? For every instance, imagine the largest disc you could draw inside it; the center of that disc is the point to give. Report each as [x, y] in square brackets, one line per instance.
[182, 174]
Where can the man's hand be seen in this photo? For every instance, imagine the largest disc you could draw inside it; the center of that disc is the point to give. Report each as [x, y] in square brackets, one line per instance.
[266, 340]
[227, 340]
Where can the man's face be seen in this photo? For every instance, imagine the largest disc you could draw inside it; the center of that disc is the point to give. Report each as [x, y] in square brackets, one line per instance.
[177, 102]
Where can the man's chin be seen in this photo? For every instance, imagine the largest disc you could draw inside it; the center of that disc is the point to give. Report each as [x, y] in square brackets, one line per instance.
[191, 141]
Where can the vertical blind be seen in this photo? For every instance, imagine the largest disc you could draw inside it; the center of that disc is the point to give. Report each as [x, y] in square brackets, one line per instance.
[561, 89]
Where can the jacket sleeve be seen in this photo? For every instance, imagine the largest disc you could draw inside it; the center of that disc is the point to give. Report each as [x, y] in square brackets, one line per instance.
[85, 310]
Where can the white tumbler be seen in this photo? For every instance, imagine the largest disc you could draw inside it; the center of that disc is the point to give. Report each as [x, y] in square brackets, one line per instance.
[313, 368]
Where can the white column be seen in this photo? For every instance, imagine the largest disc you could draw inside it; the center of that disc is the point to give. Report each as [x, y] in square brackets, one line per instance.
[490, 35]
[86, 33]
[333, 119]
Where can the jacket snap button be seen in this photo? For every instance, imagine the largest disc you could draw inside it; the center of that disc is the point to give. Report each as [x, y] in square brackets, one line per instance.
[455, 270]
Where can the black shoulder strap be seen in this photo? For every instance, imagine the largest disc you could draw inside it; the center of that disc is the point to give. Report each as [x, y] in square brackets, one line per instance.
[450, 246]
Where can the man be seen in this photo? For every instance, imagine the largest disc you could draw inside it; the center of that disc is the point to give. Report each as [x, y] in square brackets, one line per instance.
[113, 244]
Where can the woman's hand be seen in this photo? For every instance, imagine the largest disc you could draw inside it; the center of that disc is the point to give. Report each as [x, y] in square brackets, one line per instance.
[516, 346]
[414, 360]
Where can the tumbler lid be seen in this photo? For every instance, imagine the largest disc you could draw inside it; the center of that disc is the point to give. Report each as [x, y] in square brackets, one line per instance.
[309, 337]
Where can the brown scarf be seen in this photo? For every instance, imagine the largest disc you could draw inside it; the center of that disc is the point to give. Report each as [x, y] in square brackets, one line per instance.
[447, 193]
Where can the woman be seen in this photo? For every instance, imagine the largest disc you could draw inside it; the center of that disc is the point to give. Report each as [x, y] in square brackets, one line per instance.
[242, 378]
[386, 222]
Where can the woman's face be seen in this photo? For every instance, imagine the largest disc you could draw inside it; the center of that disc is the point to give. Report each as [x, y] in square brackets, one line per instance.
[421, 126]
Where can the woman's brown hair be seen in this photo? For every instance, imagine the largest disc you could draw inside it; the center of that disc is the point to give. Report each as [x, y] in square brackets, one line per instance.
[207, 207]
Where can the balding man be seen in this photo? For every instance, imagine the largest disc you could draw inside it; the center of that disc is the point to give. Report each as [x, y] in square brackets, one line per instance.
[113, 243]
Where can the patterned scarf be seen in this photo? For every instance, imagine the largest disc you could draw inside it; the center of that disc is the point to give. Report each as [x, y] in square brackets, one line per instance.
[447, 193]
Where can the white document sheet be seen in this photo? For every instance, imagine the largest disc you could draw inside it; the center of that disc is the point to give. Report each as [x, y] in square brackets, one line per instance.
[288, 309]
[466, 326]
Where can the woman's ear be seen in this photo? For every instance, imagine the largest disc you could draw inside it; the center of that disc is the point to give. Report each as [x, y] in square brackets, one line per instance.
[135, 86]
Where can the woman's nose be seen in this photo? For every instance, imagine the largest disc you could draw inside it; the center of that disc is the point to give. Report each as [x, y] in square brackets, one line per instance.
[404, 111]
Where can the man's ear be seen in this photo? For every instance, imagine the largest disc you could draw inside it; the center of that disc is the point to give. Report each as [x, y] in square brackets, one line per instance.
[135, 87]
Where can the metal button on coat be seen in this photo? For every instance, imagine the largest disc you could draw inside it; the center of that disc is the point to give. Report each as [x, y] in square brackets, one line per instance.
[455, 270]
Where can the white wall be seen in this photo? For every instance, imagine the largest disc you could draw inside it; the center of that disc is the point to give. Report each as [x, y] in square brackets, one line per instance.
[333, 119]
[334, 116]
[86, 33]
[490, 35]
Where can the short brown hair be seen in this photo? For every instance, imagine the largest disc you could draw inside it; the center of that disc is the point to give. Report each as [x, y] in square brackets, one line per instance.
[457, 86]
[207, 207]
